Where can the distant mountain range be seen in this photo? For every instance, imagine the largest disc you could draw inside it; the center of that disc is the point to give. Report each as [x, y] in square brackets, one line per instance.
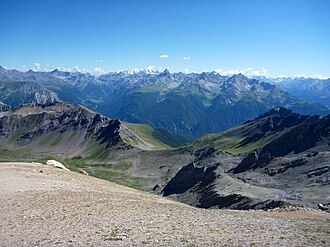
[188, 105]
[312, 89]
[279, 158]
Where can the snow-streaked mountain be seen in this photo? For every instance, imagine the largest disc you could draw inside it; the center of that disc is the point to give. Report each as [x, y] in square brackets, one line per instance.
[189, 105]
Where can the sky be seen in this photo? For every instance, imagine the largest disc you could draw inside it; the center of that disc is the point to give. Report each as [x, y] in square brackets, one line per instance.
[273, 37]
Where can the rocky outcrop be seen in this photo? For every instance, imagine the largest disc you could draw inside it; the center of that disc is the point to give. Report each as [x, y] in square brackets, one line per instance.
[4, 107]
[45, 97]
[188, 177]
[324, 207]
[214, 199]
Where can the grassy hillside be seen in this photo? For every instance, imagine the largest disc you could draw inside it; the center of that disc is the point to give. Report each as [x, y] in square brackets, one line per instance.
[252, 134]
[229, 141]
[157, 137]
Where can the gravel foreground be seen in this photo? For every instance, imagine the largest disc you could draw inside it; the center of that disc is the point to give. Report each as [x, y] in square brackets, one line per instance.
[45, 206]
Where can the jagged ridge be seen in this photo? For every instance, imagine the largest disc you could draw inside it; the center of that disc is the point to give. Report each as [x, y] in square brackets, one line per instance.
[189, 105]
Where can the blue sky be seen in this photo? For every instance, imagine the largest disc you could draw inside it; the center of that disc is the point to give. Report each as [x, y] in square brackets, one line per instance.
[282, 36]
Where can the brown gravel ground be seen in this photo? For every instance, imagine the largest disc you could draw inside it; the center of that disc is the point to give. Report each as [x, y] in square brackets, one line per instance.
[45, 206]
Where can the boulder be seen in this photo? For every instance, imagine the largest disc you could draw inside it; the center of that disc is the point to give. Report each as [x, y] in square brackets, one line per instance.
[83, 172]
[56, 164]
[324, 207]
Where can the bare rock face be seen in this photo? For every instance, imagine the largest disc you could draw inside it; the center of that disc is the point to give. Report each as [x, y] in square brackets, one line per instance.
[188, 177]
[246, 163]
[45, 97]
[56, 164]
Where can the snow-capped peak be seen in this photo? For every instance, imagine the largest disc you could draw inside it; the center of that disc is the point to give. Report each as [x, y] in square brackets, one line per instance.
[148, 70]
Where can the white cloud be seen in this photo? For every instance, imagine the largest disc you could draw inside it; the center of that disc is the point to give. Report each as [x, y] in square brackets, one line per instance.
[37, 66]
[163, 56]
[246, 72]
[186, 58]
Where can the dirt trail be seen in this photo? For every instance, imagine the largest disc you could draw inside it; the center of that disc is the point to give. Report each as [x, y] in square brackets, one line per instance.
[45, 206]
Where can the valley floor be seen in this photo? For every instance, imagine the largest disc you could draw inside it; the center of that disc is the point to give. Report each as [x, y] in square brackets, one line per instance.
[45, 206]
